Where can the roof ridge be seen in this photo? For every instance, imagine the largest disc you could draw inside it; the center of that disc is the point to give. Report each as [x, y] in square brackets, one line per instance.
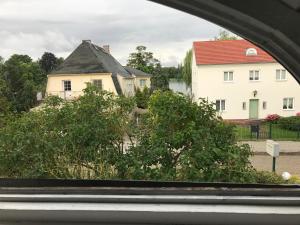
[222, 40]
[108, 54]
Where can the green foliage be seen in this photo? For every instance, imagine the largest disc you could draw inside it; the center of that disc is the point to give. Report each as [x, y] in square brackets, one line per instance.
[143, 60]
[225, 35]
[294, 180]
[265, 177]
[76, 139]
[172, 72]
[182, 140]
[187, 68]
[23, 78]
[159, 81]
[49, 62]
[290, 123]
[176, 140]
[142, 98]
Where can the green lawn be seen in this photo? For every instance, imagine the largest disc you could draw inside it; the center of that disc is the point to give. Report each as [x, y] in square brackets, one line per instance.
[243, 133]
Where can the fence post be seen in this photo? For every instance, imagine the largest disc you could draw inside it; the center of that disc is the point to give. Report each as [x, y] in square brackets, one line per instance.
[270, 130]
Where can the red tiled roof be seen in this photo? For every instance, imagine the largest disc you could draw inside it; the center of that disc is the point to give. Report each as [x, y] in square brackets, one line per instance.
[228, 52]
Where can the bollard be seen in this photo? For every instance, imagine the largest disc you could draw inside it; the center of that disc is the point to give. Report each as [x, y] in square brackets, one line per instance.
[272, 148]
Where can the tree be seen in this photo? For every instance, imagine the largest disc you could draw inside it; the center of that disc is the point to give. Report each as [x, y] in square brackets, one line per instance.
[187, 68]
[143, 60]
[172, 72]
[159, 81]
[183, 140]
[225, 35]
[23, 78]
[142, 98]
[83, 138]
[5, 105]
[1, 62]
[49, 62]
[177, 140]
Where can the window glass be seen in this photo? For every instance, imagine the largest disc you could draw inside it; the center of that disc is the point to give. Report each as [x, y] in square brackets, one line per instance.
[98, 83]
[251, 75]
[223, 105]
[122, 130]
[228, 76]
[280, 74]
[283, 74]
[264, 105]
[142, 82]
[254, 75]
[220, 105]
[244, 105]
[288, 103]
[67, 85]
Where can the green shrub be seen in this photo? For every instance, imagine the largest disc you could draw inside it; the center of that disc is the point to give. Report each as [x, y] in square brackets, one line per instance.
[290, 123]
[294, 180]
[142, 98]
[265, 177]
[185, 141]
[82, 138]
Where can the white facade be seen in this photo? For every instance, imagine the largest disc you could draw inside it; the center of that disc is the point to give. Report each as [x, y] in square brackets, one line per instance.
[237, 97]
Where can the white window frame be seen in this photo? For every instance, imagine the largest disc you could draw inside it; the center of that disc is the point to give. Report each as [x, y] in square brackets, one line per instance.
[226, 74]
[94, 81]
[254, 73]
[64, 85]
[222, 107]
[288, 99]
[144, 81]
[280, 74]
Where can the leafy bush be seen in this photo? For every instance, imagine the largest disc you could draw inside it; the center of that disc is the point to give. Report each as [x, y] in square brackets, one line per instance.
[176, 140]
[183, 140]
[294, 180]
[290, 123]
[142, 98]
[265, 177]
[79, 139]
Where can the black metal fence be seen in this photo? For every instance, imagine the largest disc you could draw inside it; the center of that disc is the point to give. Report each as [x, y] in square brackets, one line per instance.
[266, 131]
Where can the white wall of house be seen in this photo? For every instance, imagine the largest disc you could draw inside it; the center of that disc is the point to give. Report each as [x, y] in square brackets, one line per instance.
[78, 83]
[127, 85]
[142, 81]
[208, 82]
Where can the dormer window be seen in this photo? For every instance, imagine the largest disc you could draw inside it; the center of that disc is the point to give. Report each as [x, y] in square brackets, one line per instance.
[251, 52]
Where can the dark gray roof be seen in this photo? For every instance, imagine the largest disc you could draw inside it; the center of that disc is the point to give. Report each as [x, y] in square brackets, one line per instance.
[136, 72]
[90, 58]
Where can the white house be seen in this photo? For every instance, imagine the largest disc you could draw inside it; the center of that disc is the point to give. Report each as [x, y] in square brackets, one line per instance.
[89, 63]
[242, 80]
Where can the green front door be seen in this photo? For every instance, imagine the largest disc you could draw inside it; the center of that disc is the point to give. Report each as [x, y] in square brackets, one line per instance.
[253, 109]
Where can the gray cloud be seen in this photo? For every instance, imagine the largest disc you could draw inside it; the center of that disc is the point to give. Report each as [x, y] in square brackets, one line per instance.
[34, 26]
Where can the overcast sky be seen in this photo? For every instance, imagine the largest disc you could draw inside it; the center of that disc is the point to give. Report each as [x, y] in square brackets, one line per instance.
[35, 26]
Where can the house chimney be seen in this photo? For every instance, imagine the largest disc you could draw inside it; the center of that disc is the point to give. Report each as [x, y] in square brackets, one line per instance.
[86, 41]
[106, 48]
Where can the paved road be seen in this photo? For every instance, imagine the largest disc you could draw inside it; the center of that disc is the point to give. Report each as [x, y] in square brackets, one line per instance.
[289, 163]
[289, 160]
